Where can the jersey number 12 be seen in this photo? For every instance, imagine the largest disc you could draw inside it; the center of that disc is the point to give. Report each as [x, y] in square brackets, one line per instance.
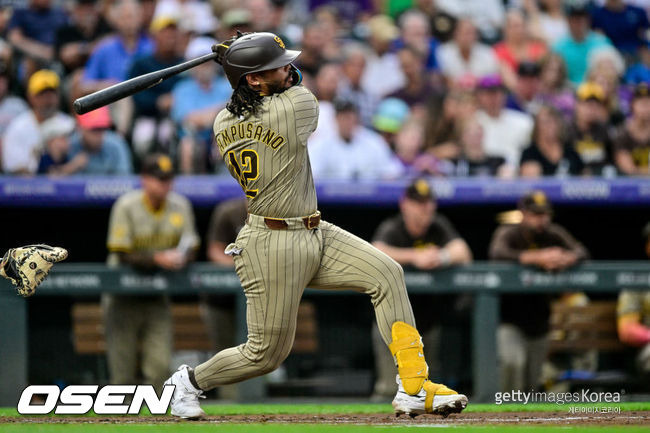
[245, 169]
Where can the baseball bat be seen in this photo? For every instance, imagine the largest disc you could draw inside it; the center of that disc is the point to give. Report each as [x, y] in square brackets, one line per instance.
[134, 85]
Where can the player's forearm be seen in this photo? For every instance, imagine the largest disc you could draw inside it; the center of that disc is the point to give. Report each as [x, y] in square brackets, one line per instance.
[530, 258]
[459, 252]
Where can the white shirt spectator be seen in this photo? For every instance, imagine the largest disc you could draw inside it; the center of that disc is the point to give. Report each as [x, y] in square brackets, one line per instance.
[482, 61]
[506, 135]
[553, 29]
[366, 156]
[22, 144]
[383, 75]
[488, 15]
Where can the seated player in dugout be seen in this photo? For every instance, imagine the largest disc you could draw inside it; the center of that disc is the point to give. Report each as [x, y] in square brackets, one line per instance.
[424, 239]
[150, 230]
[535, 240]
[633, 322]
[285, 246]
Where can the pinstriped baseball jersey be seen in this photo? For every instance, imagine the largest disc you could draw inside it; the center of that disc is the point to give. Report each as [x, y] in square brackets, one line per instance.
[267, 153]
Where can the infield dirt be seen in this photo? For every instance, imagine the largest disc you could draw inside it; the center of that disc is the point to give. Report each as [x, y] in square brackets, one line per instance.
[471, 418]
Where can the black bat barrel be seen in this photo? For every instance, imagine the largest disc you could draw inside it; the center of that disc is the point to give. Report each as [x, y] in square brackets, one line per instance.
[127, 88]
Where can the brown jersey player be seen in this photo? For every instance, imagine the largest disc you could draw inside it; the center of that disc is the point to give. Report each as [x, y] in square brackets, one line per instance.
[285, 246]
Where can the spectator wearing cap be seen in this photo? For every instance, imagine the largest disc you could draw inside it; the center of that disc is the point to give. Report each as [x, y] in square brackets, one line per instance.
[76, 39]
[555, 89]
[22, 144]
[196, 101]
[549, 154]
[383, 74]
[464, 58]
[576, 47]
[151, 229]
[349, 83]
[588, 132]
[32, 30]
[517, 47]
[550, 23]
[522, 336]
[56, 138]
[152, 126]
[98, 150]
[625, 25]
[472, 161]
[391, 115]
[353, 152]
[110, 60]
[506, 131]
[606, 68]
[632, 146]
[422, 238]
[524, 96]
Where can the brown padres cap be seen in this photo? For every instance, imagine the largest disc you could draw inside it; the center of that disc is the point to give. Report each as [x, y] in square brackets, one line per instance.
[535, 201]
[420, 190]
[158, 165]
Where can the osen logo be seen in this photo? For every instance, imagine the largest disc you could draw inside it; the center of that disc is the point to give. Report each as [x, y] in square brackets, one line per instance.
[80, 399]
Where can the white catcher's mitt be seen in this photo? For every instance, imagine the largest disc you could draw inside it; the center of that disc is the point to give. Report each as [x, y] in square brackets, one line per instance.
[26, 267]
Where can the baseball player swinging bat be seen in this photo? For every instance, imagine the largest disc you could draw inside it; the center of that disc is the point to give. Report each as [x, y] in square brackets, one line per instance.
[285, 246]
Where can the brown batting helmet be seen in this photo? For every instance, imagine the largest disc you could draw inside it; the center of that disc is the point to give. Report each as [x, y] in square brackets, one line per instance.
[255, 52]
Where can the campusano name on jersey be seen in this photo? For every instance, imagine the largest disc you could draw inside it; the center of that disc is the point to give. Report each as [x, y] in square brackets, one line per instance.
[249, 131]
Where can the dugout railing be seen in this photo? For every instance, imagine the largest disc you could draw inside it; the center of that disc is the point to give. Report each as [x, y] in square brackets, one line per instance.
[486, 281]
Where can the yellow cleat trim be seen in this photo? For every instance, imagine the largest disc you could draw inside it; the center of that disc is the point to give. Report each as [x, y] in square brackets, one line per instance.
[432, 389]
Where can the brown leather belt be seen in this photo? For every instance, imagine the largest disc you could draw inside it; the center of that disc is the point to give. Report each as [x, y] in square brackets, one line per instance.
[310, 222]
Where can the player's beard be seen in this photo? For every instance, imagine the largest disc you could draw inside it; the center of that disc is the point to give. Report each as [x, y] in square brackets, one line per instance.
[280, 86]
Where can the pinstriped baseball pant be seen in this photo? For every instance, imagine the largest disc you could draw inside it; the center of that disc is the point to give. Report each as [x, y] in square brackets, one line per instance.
[275, 266]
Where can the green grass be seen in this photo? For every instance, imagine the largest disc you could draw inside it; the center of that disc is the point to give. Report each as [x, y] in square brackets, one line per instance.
[360, 408]
[296, 428]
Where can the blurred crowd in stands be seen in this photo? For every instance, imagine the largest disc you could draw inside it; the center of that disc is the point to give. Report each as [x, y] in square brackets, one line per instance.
[406, 87]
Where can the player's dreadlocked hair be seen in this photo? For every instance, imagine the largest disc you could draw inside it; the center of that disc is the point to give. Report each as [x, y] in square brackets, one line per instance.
[244, 101]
